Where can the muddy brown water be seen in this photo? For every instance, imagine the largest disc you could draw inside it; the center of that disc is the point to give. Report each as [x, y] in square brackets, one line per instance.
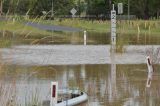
[107, 84]
[124, 86]
[76, 38]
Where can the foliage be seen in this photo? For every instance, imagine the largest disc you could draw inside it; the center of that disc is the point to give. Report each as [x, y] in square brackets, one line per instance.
[96, 7]
[145, 8]
[141, 8]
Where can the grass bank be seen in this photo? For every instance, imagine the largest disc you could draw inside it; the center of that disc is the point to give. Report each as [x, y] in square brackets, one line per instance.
[23, 30]
[130, 27]
[16, 31]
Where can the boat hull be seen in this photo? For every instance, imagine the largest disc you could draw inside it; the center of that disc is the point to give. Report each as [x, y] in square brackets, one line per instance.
[74, 101]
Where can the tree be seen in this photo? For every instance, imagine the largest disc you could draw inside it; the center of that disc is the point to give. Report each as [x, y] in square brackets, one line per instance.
[22, 7]
[97, 7]
[60, 7]
[1, 7]
[154, 8]
[80, 6]
[141, 8]
[10, 6]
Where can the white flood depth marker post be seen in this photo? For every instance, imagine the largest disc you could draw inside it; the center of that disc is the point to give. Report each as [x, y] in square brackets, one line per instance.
[113, 46]
[113, 28]
[54, 93]
[85, 38]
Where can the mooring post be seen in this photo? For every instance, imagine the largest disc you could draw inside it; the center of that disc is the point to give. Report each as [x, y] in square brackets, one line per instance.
[54, 93]
[113, 28]
[85, 38]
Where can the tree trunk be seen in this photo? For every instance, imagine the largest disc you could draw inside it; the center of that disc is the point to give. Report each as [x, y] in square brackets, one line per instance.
[158, 12]
[1, 7]
[146, 10]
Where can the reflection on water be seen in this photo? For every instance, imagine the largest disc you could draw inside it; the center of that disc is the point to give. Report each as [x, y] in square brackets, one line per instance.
[112, 77]
[106, 85]
[104, 38]
[94, 38]
[149, 79]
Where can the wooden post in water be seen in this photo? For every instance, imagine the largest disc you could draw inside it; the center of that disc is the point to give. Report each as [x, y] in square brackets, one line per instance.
[113, 28]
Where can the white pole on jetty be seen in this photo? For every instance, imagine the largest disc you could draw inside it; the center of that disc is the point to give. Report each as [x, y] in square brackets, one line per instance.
[85, 37]
[54, 93]
[113, 28]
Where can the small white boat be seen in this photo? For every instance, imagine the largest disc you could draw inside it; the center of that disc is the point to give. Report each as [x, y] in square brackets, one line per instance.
[69, 98]
[75, 98]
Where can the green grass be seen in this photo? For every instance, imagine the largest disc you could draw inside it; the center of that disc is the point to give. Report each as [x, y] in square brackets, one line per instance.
[12, 31]
[104, 26]
[97, 26]
[21, 29]
[5, 43]
[29, 35]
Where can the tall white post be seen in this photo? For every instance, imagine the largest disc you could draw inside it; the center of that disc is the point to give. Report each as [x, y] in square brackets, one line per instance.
[113, 28]
[113, 63]
[54, 93]
[85, 38]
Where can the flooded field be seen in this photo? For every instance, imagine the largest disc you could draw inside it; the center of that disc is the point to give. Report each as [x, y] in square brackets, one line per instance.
[73, 54]
[27, 70]
[76, 38]
[125, 86]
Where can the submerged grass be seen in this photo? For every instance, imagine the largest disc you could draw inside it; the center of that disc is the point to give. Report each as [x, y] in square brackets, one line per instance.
[11, 31]
[16, 28]
[8, 96]
[27, 34]
[5, 43]
[21, 29]
[8, 89]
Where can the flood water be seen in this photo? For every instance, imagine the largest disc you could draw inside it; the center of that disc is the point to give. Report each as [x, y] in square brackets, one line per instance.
[125, 86]
[93, 38]
[108, 82]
